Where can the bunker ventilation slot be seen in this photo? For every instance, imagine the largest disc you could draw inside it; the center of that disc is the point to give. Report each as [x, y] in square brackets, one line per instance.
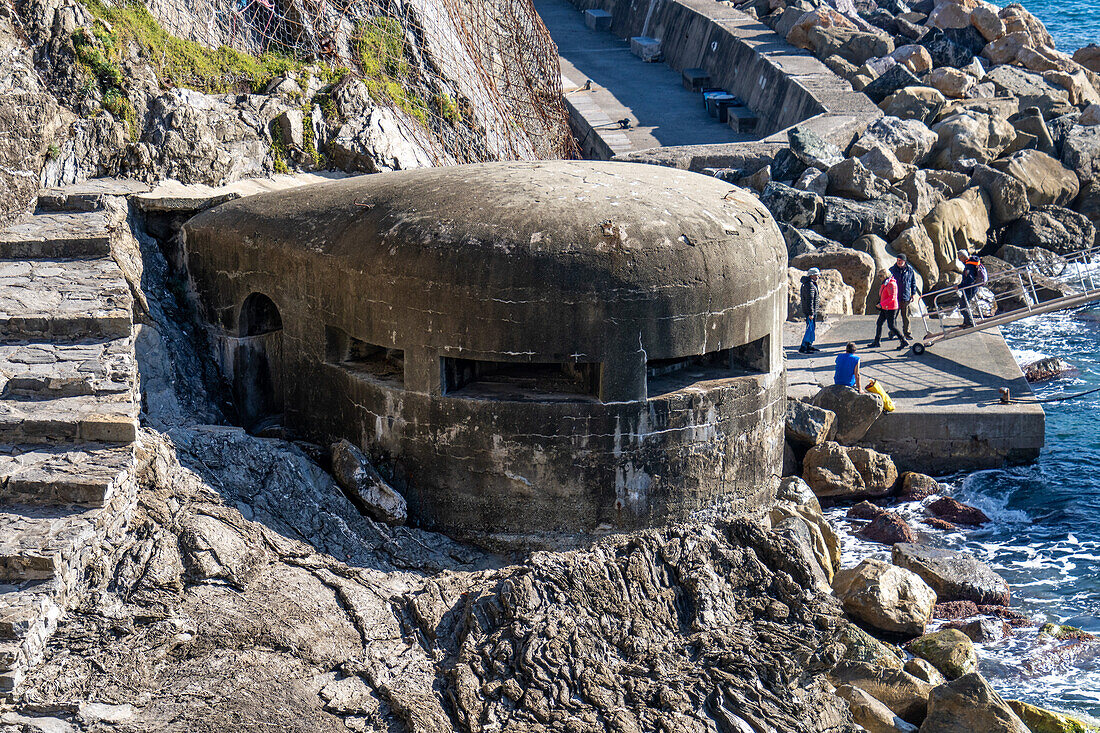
[668, 375]
[520, 380]
[362, 358]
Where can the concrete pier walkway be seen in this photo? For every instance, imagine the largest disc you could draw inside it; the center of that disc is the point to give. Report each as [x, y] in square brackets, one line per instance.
[661, 111]
[949, 416]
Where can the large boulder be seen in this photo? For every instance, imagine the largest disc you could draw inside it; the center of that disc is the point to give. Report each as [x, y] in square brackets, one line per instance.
[895, 78]
[382, 139]
[909, 140]
[823, 17]
[887, 529]
[1081, 152]
[846, 220]
[796, 499]
[915, 244]
[969, 138]
[789, 205]
[1008, 196]
[807, 425]
[834, 296]
[913, 57]
[1030, 88]
[851, 179]
[859, 646]
[960, 222]
[856, 269]
[1047, 181]
[951, 83]
[882, 162]
[1039, 720]
[797, 532]
[900, 691]
[1005, 49]
[1089, 57]
[987, 22]
[830, 472]
[954, 575]
[950, 651]
[870, 714]
[1053, 228]
[968, 705]
[885, 597]
[1038, 259]
[878, 471]
[953, 47]
[920, 103]
[855, 411]
[813, 150]
[956, 512]
[354, 472]
[922, 192]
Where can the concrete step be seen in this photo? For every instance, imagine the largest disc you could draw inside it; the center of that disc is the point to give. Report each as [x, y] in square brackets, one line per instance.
[67, 369]
[64, 475]
[79, 419]
[52, 236]
[88, 195]
[173, 197]
[43, 543]
[64, 299]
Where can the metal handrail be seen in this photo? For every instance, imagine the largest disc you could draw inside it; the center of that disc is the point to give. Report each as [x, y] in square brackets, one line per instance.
[1081, 269]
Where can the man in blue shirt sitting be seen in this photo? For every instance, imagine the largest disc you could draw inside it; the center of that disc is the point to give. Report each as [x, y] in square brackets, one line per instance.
[847, 368]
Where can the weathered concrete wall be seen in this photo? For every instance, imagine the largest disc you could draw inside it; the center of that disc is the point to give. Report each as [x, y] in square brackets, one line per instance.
[784, 85]
[513, 263]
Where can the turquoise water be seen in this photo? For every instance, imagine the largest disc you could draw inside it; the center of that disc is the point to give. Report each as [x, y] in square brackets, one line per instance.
[1073, 23]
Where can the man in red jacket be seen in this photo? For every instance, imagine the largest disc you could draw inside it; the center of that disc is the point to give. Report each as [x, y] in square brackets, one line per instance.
[888, 312]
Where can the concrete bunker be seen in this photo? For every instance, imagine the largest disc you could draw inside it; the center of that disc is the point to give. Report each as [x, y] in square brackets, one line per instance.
[525, 348]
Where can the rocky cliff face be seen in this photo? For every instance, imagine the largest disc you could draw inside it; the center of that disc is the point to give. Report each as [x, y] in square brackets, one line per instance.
[211, 92]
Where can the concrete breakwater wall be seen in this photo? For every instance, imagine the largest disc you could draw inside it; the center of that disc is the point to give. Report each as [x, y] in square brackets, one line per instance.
[782, 84]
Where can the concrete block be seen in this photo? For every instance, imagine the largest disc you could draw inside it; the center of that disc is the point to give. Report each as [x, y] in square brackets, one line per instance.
[741, 119]
[695, 79]
[646, 48]
[597, 20]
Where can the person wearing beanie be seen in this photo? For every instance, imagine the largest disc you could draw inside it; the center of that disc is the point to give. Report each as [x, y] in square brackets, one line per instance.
[906, 276]
[809, 310]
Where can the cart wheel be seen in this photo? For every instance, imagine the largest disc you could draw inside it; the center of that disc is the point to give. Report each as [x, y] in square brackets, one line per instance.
[918, 348]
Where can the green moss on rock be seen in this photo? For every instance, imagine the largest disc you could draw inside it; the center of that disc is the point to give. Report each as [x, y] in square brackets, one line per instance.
[950, 651]
[1039, 720]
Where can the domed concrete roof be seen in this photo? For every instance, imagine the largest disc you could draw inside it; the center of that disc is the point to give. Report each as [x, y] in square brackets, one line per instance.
[475, 257]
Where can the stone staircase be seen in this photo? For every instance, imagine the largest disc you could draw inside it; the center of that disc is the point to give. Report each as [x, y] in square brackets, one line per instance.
[68, 415]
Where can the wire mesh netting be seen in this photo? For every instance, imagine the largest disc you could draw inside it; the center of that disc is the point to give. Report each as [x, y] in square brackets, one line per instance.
[482, 76]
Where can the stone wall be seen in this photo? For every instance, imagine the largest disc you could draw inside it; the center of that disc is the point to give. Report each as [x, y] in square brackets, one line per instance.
[784, 85]
[630, 368]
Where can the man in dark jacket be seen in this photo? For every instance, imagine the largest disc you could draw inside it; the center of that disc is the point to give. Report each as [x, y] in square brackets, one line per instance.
[973, 277]
[809, 309]
[906, 276]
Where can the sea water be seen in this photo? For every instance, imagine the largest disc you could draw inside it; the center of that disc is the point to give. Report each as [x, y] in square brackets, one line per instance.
[1073, 23]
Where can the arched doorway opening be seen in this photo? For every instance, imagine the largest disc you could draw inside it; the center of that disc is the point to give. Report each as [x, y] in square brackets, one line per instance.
[257, 382]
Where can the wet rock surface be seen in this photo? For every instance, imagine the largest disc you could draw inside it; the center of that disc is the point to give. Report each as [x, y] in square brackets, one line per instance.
[954, 575]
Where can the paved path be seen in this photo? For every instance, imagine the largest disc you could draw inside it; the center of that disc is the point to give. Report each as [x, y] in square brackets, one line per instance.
[650, 95]
[949, 415]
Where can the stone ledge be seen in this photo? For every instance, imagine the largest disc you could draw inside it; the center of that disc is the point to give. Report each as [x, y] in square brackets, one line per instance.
[64, 298]
[57, 235]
